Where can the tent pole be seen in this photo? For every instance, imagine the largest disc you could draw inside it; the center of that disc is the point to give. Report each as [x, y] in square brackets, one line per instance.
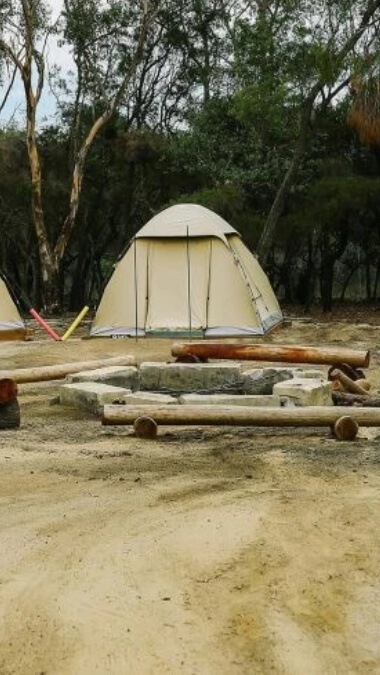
[208, 283]
[249, 286]
[188, 279]
[147, 288]
[136, 295]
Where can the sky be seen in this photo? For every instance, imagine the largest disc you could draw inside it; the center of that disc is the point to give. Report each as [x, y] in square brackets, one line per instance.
[14, 111]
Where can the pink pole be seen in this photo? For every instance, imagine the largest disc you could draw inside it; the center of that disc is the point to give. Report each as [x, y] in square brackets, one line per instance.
[43, 324]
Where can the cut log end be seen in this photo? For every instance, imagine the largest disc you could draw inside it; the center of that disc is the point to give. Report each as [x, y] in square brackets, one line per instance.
[10, 415]
[337, 386]
[145, 427]
[346, 428]
[8, 390]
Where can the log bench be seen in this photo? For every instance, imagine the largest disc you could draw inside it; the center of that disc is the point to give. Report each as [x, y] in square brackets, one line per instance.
[313, 416]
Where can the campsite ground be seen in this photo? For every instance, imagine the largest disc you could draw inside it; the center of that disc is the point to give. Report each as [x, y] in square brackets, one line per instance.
[209, 551]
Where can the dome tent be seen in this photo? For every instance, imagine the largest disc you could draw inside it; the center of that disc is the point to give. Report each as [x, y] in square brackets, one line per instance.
[187, 272]
[11, 323]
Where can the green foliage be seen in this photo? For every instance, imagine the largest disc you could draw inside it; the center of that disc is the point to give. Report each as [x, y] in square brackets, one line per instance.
[337, 204]
[227, 201]
[211, 116]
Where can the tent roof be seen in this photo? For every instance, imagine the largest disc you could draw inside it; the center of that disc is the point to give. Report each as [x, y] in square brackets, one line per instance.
[186, 220]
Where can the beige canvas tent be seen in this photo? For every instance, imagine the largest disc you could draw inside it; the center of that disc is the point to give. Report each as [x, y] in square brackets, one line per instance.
[11, 323]
[187, 272]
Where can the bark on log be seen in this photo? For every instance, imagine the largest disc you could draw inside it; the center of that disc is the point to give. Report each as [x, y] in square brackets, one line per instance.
[312, 416]
[353, 373]
[281, 353]
[10, 415]
[14, 334]
[346, 428]
[58, 372]
[343, 398]
[8, 390]
[365, 384]
[348, 384]
[145, 427]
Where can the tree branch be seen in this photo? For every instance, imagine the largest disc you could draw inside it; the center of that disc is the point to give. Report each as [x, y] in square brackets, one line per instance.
[9, 89]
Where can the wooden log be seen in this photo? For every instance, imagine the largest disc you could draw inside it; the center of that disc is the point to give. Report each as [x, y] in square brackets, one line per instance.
[10, 415]
[348, 384]
[145, 427]
[265, 352]
[337, 386]
[346, 428]
[346, 399]
[353, 373]
[14, 334]
[364, 384]
[8, 390]
[57, 372]
[312, 416]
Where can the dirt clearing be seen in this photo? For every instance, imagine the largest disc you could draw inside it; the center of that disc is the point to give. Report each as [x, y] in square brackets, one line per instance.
[209, 551]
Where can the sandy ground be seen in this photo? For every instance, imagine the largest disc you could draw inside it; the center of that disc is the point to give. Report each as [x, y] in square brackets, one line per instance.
[210, 551]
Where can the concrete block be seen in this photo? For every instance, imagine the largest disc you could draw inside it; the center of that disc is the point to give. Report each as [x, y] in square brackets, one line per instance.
[305, 391]
[189, 376]
[91, 395]
[262, 380]
[149, 398]
[117, 376]
[229, 399]
[312, 374]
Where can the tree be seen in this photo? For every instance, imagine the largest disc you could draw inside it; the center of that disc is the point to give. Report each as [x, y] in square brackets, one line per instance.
[324, 50]
[108, 43]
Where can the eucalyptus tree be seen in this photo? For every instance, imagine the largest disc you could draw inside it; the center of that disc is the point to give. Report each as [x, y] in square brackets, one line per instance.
[107, 40]
[23, 31]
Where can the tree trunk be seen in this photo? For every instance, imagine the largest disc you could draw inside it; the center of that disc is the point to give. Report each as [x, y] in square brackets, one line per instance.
[80, 161]
[326, 283]
[368, 279]
[267, 236]
[49, 267]
[347, 280]
[376, 282]
[309, 278]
